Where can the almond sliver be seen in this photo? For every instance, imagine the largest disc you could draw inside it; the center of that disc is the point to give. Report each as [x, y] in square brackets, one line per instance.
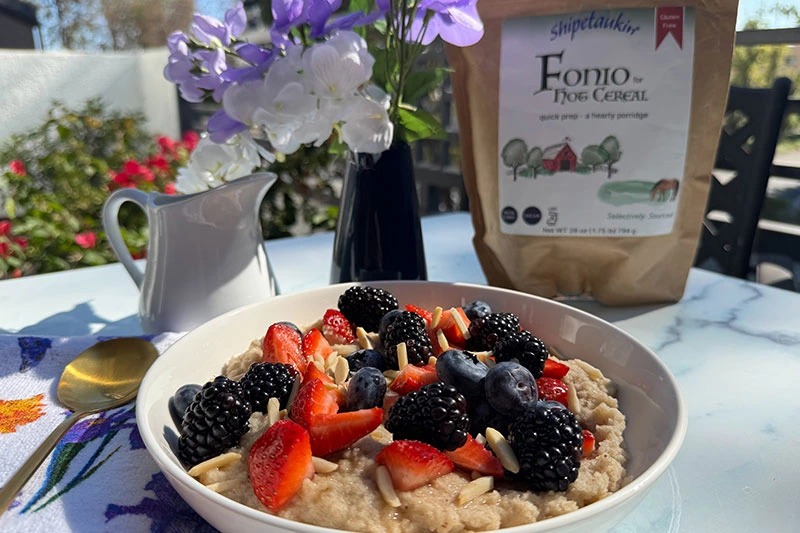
[502, 449]
[215, 462]
[385, 487]
[475, 488]
[460, 324]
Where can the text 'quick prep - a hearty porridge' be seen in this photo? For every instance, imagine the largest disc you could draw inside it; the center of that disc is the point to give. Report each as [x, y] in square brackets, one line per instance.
[381, 419]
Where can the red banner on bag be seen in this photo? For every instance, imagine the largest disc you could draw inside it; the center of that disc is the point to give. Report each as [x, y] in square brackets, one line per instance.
[669, 21]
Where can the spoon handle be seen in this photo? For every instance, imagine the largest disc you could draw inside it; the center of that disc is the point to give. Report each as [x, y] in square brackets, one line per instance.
[18, 480]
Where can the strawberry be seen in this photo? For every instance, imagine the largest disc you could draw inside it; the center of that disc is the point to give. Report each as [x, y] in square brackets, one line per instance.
[588, 442]
[282, 345]
[412, 378]
[279, 461]
[412, 464]
[451, 330]
[315, 373]
[554, 369]
[472, 456]
[552, 389]
[315, 344]
[312, 399]
[331, 433]
[426, 315]
[336, 328]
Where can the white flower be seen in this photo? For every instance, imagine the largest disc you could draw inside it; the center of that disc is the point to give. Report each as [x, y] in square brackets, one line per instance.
[367, 127]
[377, 94]
[211, 164]
[337, 67]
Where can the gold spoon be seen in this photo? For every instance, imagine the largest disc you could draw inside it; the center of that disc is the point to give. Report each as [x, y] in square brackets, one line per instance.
[102, 377]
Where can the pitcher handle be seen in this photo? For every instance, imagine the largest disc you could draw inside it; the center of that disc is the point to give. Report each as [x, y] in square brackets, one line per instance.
[111, 225]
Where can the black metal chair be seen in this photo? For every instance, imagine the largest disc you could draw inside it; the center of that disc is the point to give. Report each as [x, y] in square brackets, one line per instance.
[747, 146]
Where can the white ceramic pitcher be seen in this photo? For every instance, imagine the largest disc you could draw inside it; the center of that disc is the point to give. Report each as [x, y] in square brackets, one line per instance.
[205, 255]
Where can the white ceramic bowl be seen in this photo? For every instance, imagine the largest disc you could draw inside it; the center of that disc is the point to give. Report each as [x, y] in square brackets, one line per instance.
[647, 392]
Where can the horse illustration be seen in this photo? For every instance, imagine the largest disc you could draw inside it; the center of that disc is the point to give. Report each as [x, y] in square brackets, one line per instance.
[661, 190]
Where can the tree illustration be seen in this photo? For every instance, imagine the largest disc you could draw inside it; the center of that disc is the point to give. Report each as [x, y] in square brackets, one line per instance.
[514, 155]
[535, 160]
[593, 156]
[611, 145]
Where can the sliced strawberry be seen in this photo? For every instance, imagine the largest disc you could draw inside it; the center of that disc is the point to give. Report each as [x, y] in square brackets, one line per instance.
[313, 399]
[554, 369]
[336, 328]
[588, 442]
[426, 315]
[450, 328]
[552, 389]
[278, 462]
[282, 345]
[315, 344]
[315, 373]
[412, 464]
[472, 456]
[389, 400]
[331, 433]
[412, 378]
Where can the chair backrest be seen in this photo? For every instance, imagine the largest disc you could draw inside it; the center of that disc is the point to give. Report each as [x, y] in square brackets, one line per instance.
[746, 148]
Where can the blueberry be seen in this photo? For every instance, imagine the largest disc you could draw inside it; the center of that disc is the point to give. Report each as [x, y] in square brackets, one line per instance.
[511, 388]
[366, 358]
[483, 415]
[180, 401]
[463, 371]
[552, 404]
[365, 390]
[477, 309]
[387, 319]
[293, 326]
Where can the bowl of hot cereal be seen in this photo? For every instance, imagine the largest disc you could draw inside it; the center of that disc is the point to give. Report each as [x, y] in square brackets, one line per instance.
[327, 410]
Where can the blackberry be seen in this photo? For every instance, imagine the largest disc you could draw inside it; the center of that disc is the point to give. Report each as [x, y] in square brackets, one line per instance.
[476, 309]
[530, 351]
[214, 422]
[549, 444]
[486, 331]
[410, 328]
[435, 414]
[365, 306]
[267, 380]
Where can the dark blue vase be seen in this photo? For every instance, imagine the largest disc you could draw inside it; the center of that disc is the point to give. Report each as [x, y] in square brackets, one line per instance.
[378, 234]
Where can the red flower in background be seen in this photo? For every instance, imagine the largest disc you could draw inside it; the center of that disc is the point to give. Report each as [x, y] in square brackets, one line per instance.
[158, 162]
[190, 140]
[18, 167]
[22, 242]
[169, 188]
[86, 240]
[16, 273]
[168, 146]
[5, 227]
[4, 249]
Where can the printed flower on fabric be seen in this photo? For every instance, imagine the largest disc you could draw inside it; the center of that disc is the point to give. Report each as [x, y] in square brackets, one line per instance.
[16, 413]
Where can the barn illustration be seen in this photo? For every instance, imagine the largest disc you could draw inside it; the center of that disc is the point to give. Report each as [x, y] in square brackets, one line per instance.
[559, 157]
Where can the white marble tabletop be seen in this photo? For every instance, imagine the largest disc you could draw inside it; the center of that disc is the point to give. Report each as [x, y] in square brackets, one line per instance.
[734, 347]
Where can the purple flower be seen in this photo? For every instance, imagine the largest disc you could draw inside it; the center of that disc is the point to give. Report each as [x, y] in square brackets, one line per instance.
[221, 127]
[211, 31]
[455, 21]
[198, 73]
[289, 14]
[259, 58]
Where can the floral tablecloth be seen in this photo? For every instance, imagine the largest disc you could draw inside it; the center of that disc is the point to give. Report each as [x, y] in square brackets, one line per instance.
[100, 476]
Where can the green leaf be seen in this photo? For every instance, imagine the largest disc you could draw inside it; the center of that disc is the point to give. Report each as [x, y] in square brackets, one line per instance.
[380, 26]
[419, 124]
[384, 69]
[94, 258]
[11, 207]
[420, 83]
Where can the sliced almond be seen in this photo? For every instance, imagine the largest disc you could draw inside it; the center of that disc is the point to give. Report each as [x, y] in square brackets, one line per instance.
[460, 324]
[273, 408]
[475, 475]
[385, 487]
[402, 355]
[480, 439]
[323, 466]
[319, 364]
[215, 462]
[295, 388]
[502, 449]
[573, 404]
[228, 484]
[330, 362]
[390, 374]
[475, 488]
[432, 360]
[437, 316]
[342, 371]
[330, 386]
[283, 414]
[346, 349]
[488, 361]
[363, 338]
[442, 340]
